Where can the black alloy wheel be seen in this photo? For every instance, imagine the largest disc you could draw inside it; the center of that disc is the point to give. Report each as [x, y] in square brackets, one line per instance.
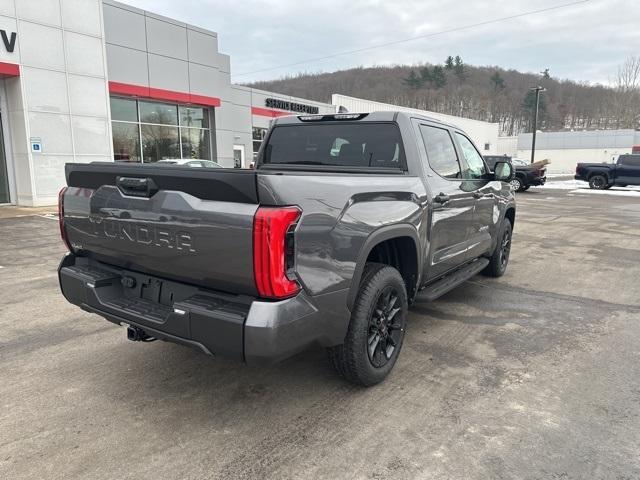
[385, 331]
[598, 182]
[505, 248]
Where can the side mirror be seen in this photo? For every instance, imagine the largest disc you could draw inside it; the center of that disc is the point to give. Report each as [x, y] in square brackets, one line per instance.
[503, 171]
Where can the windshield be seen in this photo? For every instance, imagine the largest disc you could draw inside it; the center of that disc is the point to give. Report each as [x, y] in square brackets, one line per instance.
[518, 162]
[336, 144]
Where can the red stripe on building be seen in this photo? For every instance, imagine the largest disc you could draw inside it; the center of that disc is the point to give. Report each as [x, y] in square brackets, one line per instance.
[202, 100]
[161, 94]
[9, 70]
[267, 112]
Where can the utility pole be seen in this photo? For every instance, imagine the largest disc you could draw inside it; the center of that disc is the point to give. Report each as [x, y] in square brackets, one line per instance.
[537, 89]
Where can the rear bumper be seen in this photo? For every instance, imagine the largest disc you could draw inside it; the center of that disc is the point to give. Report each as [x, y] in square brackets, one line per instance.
[537, 181]
[233, 326]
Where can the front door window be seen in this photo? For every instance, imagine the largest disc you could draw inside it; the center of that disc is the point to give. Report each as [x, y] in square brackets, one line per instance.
[475, 169]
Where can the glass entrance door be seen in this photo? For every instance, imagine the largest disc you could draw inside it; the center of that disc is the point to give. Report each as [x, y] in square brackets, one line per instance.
[4, 176]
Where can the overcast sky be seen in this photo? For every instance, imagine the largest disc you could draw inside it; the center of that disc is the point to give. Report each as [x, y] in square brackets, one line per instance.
[584, 42]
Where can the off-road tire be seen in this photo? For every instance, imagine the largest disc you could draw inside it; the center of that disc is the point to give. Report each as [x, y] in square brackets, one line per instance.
[351, 359]
[497, 263]
[598, 182]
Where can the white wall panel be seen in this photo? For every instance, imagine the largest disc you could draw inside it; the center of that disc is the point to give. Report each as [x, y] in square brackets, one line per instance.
[168, 73]
[124, 27]
[127, 65]
[19, 140]
[202, 48]
[43, 11]
[205, 80]
[84, 54]
[90, 135]
[88, 96]
[166, 39]
[82, 16]
[8, 8]
[49, 174]
[23, 173]
[46, 90]
[41, 46]
[54, 130]
[233, 117]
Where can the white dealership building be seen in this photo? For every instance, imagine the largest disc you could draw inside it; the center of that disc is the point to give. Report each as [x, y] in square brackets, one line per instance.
[99, 80]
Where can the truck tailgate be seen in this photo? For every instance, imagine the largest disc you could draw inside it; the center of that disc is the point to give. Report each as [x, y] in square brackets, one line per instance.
[188, 224]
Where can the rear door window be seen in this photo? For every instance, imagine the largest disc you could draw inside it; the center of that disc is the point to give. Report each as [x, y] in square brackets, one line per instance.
[336, 144]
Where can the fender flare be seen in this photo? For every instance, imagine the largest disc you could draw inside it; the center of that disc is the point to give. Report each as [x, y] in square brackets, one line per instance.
[378, 236]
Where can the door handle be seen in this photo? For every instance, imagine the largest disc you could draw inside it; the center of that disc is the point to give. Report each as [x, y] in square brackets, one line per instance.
[441, 198]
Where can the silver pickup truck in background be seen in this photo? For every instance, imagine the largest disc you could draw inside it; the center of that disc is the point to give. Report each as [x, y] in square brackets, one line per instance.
[346, 220]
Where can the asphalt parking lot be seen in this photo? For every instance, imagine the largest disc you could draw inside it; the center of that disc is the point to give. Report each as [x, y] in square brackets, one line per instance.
[535, 375]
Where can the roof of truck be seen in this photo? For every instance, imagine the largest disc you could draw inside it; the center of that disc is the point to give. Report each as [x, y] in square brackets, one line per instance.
[378, 116]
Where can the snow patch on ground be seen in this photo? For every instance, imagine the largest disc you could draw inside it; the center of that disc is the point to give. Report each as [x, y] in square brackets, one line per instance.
[564, 184]
[578, 186]
[622, 192]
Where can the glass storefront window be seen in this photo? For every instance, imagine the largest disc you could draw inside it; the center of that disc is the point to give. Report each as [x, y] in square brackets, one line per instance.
[160, 113]
[195, 143]
[257, 135]
[124, 109]
[159, 142]
[194, 117]
[126, 142]
[150, 131]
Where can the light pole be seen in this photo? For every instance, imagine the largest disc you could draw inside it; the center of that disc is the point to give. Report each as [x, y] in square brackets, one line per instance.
[537, 89]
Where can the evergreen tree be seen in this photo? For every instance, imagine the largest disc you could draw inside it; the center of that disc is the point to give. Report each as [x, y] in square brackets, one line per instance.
[438, 77]
[458, 68]
[545, 73]
[448, 63]
[425, 74]
[413, 80]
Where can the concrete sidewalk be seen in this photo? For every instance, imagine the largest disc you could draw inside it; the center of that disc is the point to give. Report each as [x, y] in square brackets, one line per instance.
[11, 211]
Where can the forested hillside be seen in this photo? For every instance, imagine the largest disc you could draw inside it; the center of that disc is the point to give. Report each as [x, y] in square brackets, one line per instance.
[485, 93]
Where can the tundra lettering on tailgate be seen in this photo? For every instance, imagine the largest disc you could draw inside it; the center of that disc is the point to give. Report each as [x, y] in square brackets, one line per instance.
[145, 234]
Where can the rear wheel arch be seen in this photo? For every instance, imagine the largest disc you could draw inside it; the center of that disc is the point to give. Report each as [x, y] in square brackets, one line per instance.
[393, 245]
[602, 174]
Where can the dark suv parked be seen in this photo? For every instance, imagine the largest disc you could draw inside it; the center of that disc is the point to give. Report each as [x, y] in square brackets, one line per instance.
[527, 175]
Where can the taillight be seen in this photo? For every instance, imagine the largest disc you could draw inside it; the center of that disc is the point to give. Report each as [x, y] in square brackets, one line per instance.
[63, 232]
[273, 251]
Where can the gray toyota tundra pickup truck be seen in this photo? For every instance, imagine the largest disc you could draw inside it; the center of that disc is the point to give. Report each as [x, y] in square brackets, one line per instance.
[346, 220]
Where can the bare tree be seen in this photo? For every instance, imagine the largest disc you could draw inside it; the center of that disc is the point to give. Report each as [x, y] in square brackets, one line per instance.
[627, 86]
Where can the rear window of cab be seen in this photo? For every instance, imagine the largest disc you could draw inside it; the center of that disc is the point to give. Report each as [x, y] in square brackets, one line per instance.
[365, 145]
